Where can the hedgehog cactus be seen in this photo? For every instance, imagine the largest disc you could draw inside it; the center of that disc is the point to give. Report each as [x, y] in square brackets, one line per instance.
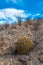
[24, 45]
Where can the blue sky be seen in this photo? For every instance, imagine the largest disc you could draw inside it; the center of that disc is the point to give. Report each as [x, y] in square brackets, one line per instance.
[23, 8]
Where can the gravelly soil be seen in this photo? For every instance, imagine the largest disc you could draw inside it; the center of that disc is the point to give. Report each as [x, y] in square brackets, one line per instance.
[11, 35]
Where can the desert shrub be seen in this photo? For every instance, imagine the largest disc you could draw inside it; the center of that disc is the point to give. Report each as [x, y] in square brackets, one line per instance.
[23, 27]
[19, 21]
[14, 31]
[29, 33]
[13, 26]
[6, 25]
[37, 26]
[3, 37]
[24, 45]
[28, 22]
[4, 45]
[1, 27]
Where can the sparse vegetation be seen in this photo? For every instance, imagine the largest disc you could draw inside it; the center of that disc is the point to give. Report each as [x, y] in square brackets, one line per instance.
[19, 21]
[6, 25]
[28, 22]
[13, 26]
[16, 42]
[29, 33]
[37, 26]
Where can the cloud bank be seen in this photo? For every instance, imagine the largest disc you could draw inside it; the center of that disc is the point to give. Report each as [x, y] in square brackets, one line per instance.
[10, 15]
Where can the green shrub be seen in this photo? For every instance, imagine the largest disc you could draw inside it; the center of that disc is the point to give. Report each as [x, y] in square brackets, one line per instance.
[19, 21]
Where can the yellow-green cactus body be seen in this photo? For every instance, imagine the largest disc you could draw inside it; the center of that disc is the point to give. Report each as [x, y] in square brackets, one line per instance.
[23, 45]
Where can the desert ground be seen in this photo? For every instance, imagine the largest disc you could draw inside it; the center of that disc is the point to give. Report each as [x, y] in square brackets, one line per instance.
[9, 35]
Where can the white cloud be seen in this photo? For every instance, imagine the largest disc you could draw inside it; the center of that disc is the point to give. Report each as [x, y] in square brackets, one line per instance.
[2, 15]
[10, 15]
[15, 12]
[1, 22]
[35, 15]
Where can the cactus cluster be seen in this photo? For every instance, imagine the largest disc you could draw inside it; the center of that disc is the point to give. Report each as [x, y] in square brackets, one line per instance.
[24, 45]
